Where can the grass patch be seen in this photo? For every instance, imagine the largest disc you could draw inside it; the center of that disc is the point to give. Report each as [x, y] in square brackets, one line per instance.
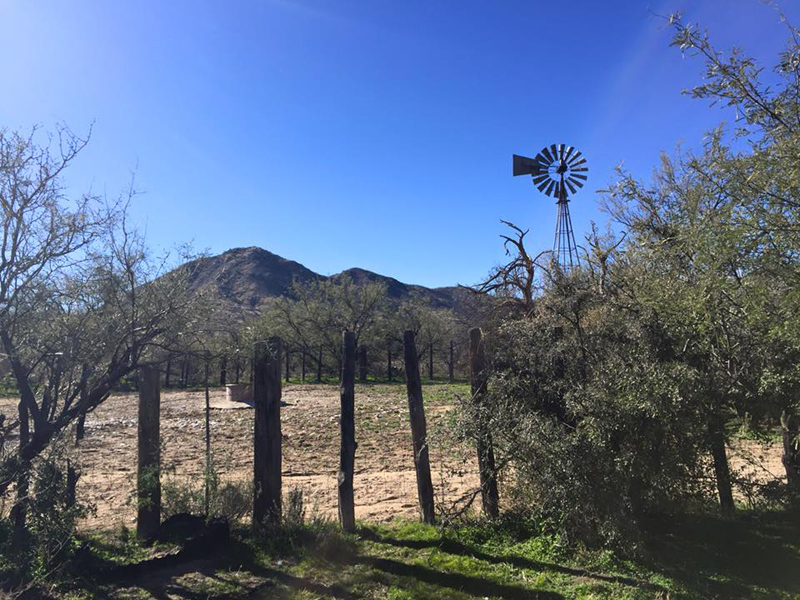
[752, 556]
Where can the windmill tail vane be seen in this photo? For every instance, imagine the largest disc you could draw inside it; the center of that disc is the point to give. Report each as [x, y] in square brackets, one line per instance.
[557, 171]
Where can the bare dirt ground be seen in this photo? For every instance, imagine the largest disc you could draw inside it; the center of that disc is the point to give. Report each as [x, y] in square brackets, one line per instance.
[385, 484]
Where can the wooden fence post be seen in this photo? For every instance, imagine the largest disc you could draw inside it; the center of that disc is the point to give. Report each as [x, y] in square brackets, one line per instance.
[362, 364]
[419, 430]
[267, 435]
[148, 481]
[347, 423]
[486, 464]
[451, 365]
[207, 478]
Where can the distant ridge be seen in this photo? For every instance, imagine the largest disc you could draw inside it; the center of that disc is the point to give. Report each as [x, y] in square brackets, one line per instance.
[246, 278]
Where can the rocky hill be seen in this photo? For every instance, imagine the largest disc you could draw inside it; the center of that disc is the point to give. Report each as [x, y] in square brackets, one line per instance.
[246, 278]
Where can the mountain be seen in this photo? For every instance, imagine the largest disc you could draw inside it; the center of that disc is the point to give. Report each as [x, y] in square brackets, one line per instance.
[246, 278]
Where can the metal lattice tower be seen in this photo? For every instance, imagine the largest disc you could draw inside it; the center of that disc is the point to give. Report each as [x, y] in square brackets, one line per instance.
[558, 170]
[565, 251]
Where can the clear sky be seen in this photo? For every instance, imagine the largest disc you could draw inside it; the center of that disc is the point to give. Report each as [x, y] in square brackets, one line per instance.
[361, 133]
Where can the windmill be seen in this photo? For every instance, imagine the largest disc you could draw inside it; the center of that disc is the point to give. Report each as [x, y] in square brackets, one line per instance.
[558, 171]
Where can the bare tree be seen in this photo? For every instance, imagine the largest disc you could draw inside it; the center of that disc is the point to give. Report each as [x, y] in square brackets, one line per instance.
[515, 283]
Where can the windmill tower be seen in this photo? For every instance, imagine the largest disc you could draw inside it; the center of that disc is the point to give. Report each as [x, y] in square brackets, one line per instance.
[558, 171]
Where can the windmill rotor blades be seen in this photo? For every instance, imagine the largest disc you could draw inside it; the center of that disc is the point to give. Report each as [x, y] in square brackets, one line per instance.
[537, 179]
[557, 170]
[578, 163]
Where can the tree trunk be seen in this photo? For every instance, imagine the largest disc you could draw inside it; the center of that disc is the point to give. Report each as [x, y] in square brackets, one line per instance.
[237, 369]
[185, 373]
[348, 438]
[478, 377]
[19, 510]
[288, 358]
[81, 424]
[722, 472]
[267, 436]
[80, 428]
[419, 430]
[223, 371]
[72, 484]
[790, 432]
[362, 364]
[168, 373]
[451, 365]
[149, 455]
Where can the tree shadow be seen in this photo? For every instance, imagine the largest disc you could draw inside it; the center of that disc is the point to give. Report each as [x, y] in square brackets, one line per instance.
[453, 547]
[728, 558]
[456, 581]
[161, 579]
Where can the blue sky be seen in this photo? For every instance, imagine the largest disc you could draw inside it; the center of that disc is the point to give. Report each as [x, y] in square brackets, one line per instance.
[361, 133]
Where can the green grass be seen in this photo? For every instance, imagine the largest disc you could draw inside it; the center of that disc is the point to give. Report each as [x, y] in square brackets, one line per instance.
[692, 557]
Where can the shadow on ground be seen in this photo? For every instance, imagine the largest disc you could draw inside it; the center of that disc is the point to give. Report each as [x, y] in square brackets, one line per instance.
[707, 557]
[727, 558]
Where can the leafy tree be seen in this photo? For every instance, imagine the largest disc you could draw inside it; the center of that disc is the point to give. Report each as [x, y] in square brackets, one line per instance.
[316, 313]
[81, 303]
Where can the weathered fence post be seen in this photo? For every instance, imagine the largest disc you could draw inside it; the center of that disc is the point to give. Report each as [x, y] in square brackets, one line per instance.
[430, 361]
[451, 365]
[267, 435]
[419, 430]
[148, 480]
[347, 453]
[319, 366]
[207, 478]
[486, 464]
[362, 364]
